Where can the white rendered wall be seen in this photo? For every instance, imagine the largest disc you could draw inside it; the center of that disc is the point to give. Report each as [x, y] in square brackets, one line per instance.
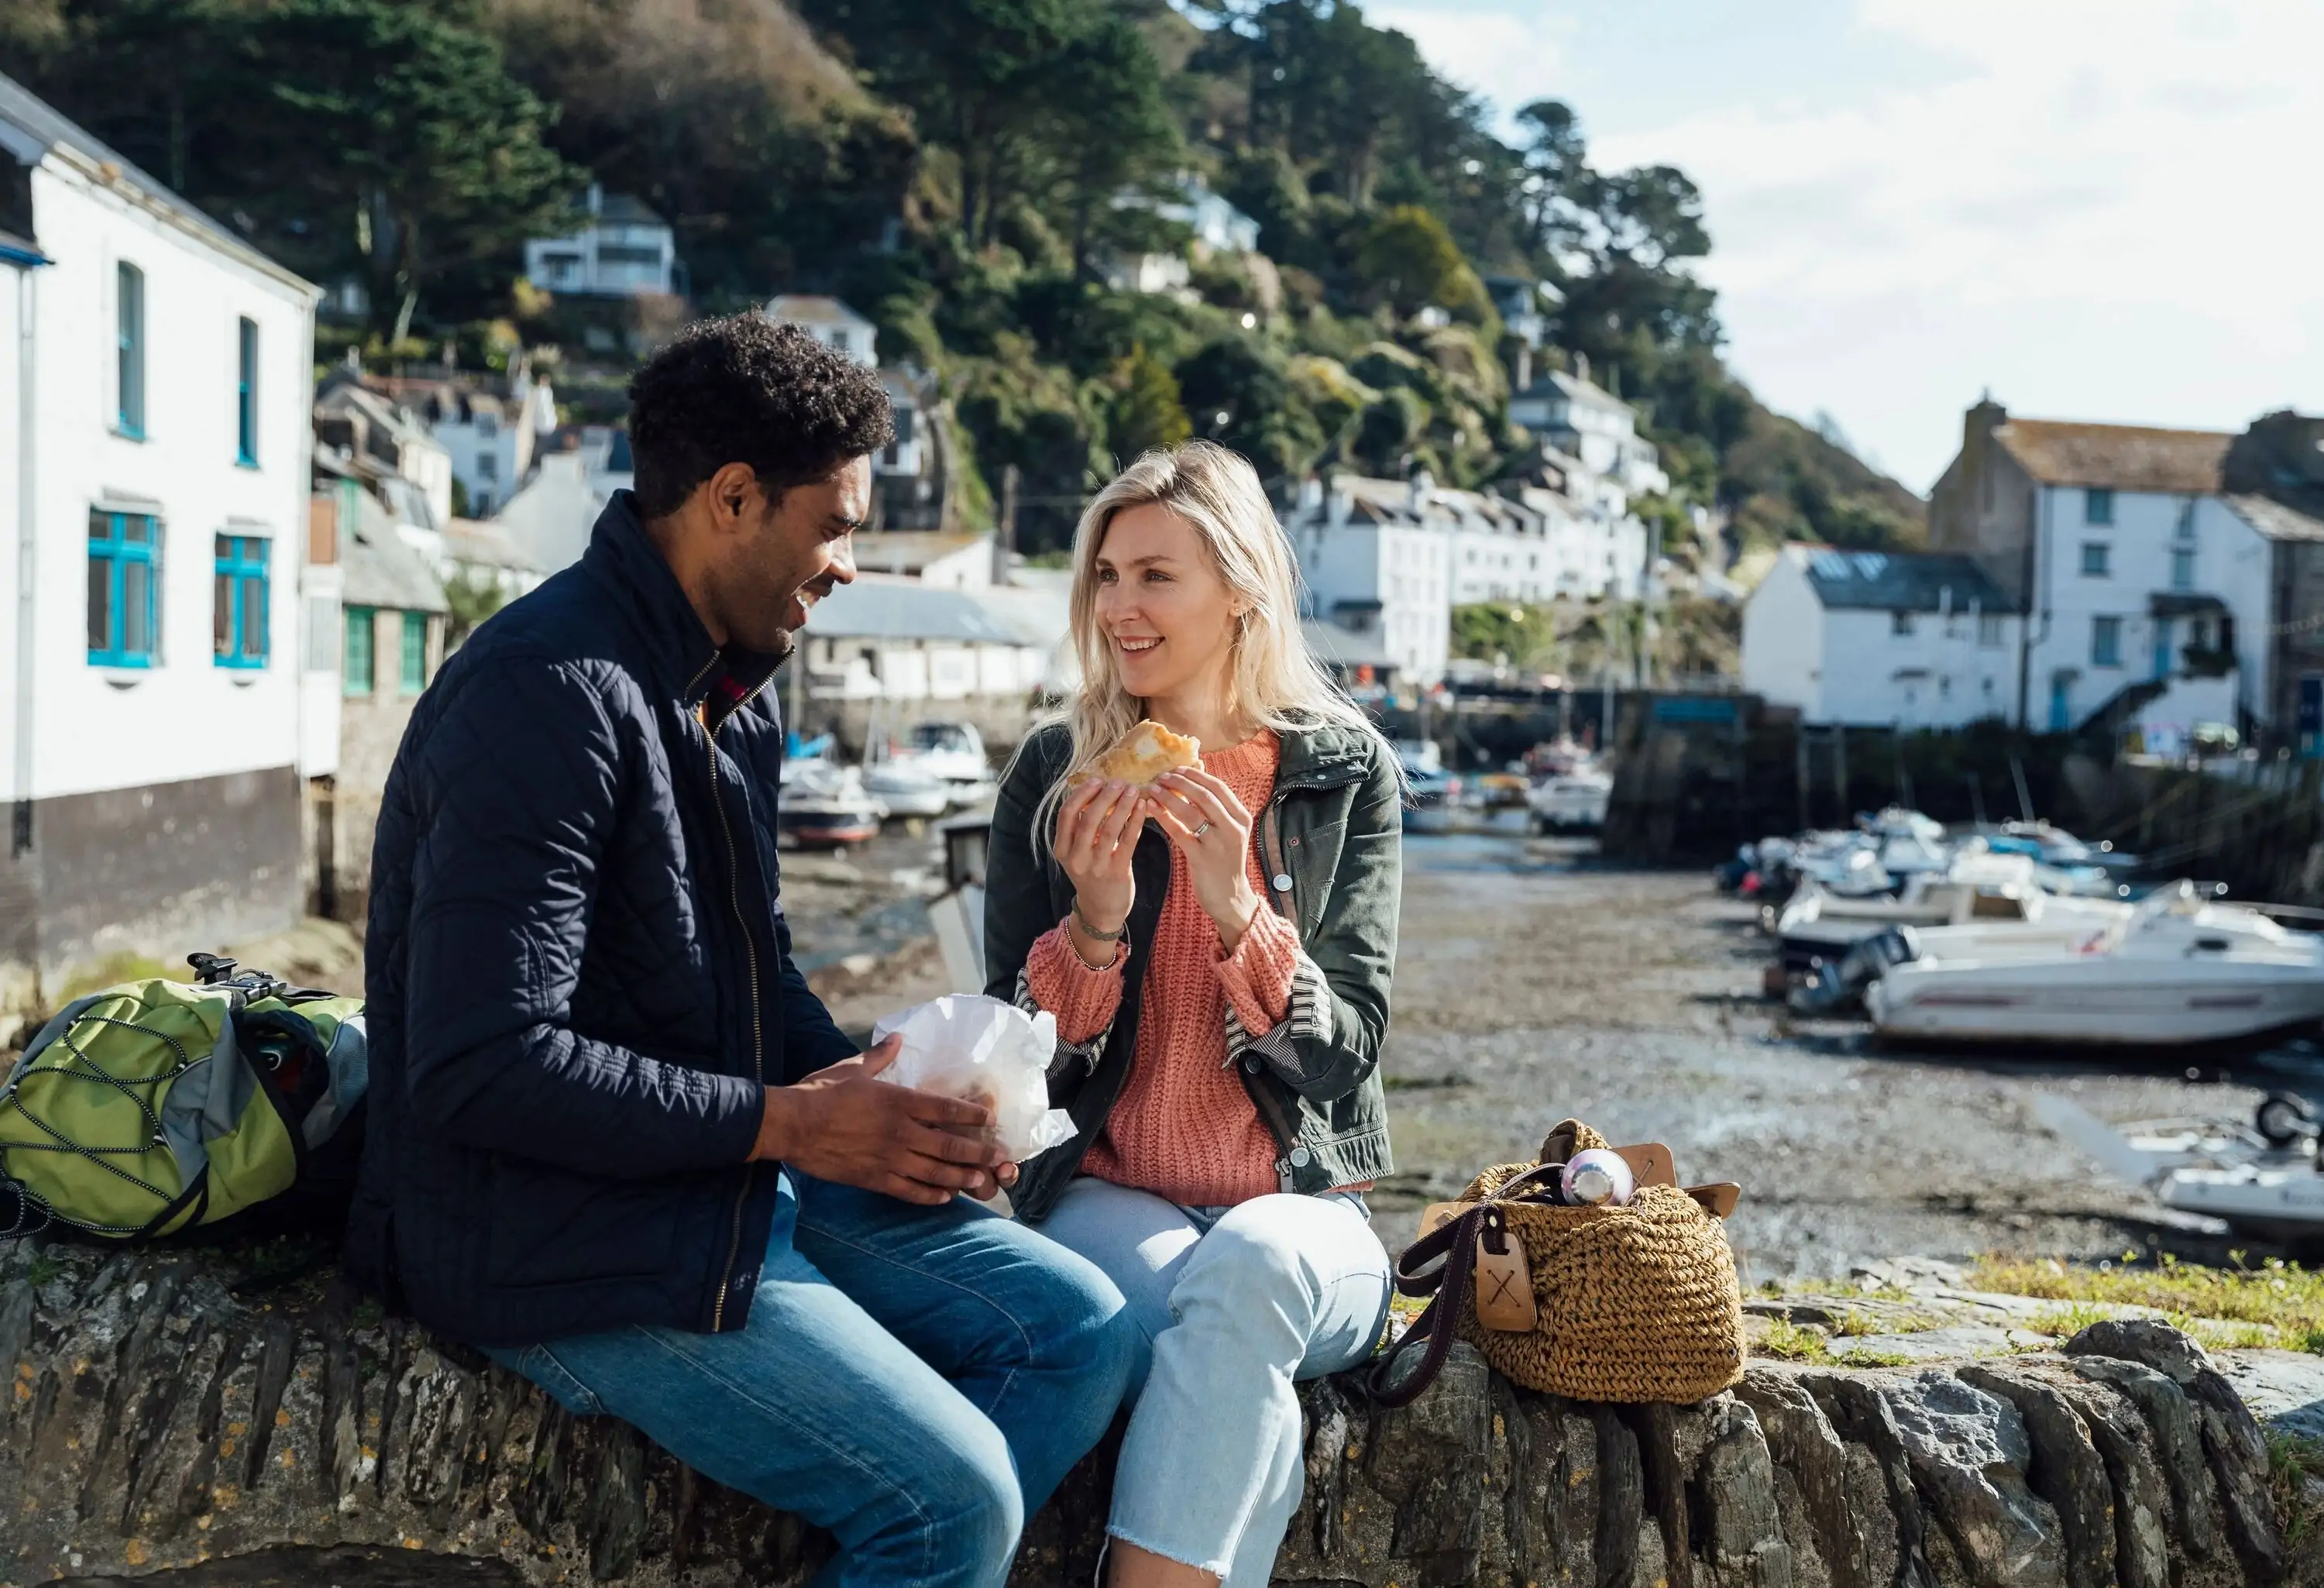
[185, 718]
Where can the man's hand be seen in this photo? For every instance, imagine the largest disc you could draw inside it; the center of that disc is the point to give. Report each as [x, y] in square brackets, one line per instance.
[844, 1125]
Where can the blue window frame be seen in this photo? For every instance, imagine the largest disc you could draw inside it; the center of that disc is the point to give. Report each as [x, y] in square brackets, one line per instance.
[2097, 506]
[2182, 567]
[246, 393]
[125, 578]
[129, 370]
[2105, 641]
[2097, 559]
[238, 601]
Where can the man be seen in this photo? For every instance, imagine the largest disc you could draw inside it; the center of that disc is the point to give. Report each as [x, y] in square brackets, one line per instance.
[614, 1140]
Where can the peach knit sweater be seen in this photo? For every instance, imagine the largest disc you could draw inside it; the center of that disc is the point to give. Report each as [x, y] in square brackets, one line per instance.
[1183, 1127]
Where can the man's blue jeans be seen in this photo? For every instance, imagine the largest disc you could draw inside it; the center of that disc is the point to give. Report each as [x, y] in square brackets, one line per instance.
[916, 1380]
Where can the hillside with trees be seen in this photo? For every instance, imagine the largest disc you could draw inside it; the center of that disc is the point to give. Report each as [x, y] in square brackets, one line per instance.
[964, 174]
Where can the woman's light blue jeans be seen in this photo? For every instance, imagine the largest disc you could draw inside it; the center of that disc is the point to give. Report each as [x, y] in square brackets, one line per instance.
[1236, 1304]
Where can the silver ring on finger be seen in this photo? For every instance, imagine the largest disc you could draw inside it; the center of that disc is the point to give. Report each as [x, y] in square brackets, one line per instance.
[1204, 828]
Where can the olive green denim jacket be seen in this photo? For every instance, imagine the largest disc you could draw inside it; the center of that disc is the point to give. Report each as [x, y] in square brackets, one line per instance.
[1330, 845]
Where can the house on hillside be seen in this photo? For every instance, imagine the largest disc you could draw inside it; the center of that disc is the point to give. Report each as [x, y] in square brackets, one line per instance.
[550, 519]
[491, 428]
[624, 251]
[364, 434]
[2149, 592]
[946, 562]
[827, 319]
[153, 531]
[1574, 416]
[1376, 557]
[1881, 638]
[1213, 227]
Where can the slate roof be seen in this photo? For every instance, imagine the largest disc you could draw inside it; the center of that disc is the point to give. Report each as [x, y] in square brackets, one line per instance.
[869, 609]
[2276, 520]
[2120, 457]
[909, 551]
[383, 571]
[42, 122]
[813, 309]
[1336, 646]
[1893, 581]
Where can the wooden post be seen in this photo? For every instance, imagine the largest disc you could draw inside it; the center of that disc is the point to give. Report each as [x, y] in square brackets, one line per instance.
[1839, 771]
[1799, 759]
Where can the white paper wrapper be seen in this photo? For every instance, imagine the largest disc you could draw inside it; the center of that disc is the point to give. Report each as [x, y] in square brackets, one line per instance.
[966, 1045]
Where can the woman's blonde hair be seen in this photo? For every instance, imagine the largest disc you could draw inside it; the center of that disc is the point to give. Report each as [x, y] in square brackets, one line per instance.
[1275, 682]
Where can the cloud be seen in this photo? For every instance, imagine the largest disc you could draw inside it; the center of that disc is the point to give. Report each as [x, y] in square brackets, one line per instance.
[1504, 51]
[2104, 208]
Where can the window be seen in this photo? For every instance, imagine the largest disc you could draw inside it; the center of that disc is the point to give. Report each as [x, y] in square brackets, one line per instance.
[1899, 623]
[488, 465]
[1988, 630]
[129, 317]
[2182, 567]
[488, 425]
[2097, 507]
[245, 395]
[356, 677]
[2187, 518]
[412, 676]
[2105, 641]
[125, 566]
[2096, 559]
[238, 600]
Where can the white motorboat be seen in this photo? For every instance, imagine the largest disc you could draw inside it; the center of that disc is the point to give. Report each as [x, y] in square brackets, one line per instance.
[907, 787]
[823, 805]
[1981, 889]
[1577, 799]
[2260, 1179]
[2175, 969]
[954, 752]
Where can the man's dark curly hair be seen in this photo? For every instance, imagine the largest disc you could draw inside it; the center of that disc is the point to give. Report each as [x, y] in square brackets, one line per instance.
[746, 389]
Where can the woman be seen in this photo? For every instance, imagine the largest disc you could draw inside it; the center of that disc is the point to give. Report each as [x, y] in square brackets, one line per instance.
[1215, 947]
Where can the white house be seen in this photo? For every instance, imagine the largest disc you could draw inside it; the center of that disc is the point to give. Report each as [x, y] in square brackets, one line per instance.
[491, 431]
[2149, 590]
[626, 251]
[154, 513]
[1376, 558]
[548, 522]
[955, 561]
[369, 436]
[827, 319]
[1881, 638]
[1573, 415]
[1216, 226]
[1536, 544]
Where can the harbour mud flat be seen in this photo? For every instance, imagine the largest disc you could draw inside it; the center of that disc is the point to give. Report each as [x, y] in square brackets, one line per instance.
[1534, 982]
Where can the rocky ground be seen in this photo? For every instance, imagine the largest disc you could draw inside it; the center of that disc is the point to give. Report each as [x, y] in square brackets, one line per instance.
[1533, 982]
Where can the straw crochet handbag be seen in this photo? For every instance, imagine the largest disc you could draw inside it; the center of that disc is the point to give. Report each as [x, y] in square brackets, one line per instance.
[1628, 1304]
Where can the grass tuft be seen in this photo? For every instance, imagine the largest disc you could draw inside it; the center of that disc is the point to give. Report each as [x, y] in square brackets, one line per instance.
[1793, 1343]
[2274, 1304]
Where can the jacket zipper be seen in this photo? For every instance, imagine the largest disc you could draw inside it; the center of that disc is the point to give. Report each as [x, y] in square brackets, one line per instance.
[751, 958]
[1285, 1130]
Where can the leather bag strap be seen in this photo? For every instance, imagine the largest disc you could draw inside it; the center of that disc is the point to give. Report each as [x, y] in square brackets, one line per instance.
[1419, 1272]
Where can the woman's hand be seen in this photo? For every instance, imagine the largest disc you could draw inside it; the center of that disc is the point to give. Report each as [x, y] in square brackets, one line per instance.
[1098, 824]
[1212, 827]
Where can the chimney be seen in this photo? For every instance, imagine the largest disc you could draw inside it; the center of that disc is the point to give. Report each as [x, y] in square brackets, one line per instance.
[1311, 494]
[1581, 366]
[1423, 487]
[596, 199]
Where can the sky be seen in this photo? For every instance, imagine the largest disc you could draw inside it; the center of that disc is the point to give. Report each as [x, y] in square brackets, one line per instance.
[2096, 210]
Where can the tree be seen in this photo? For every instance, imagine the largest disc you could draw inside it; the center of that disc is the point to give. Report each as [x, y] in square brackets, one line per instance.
[1411, 260]
[1651, 217]
[1112, 130]
[1147, 413]
[1556, 176]
[435, 153]
[1238, 395]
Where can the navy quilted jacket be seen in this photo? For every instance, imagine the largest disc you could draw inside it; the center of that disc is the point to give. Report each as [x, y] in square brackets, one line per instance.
[578, 974]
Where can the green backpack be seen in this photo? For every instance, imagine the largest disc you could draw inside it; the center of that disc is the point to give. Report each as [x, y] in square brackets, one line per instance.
[156, 1107]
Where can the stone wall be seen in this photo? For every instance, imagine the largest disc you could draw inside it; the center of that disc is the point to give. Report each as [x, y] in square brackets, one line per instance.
[169, 1413]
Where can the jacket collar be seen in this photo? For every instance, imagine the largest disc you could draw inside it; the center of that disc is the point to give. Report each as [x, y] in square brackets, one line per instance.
[623, 558]
[1323, 755]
